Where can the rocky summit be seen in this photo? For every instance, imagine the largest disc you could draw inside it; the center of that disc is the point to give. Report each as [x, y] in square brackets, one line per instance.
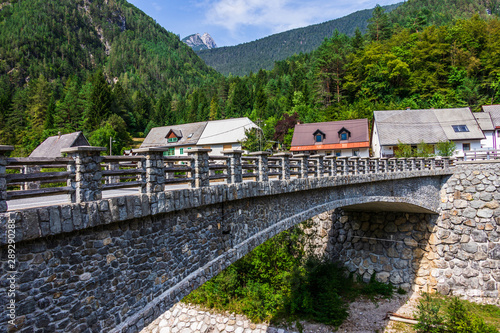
[200, 42]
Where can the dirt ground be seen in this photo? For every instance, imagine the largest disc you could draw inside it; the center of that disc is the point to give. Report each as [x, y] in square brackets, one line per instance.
[367, 316]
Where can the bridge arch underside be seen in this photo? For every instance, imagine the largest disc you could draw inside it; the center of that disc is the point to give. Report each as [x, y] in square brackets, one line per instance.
[121, 276]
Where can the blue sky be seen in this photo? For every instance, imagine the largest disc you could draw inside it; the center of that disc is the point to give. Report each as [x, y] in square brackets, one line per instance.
[232, 22]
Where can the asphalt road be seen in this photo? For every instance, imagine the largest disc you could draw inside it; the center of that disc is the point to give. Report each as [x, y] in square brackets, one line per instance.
[64, 198]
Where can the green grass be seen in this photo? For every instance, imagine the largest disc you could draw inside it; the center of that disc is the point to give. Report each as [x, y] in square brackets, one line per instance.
[443, 314]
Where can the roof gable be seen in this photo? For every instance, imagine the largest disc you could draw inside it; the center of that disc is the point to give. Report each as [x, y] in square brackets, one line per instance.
[52, 146]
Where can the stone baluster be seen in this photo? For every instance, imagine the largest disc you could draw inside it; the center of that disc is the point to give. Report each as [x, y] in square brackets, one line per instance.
[354, 161]
[332, 162]
[87, 183]
[373, 164]
[285, 164]
[410, 163]
[320, 167]
[392, 164]
[154, 165]
[383, 165]
[401, 164]
[304, 165]
[432, 163]
[342, 166]
[363, 165]
[262, 165]
[3, 173]
[200, 167]
[419, 163]
[234, 169]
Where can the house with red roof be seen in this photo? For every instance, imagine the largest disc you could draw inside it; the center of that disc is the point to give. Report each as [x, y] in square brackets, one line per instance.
[339, 138]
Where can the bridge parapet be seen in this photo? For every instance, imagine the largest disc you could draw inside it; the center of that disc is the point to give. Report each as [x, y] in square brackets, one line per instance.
[88, 174]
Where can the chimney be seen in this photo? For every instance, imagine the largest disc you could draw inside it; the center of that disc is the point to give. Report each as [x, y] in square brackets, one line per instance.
[408, 108]
[59, 134]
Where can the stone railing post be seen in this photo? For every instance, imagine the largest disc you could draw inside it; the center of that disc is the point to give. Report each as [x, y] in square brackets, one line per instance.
[419, 163]
[88, 175]
[372, 164]
[234, 169]
[432, 163]
[154, 165]
[401, 164]
[410, 163]
[200, 167]
[262, 165]
[342, 165]
[332, 162]
[383, 165]
[3, 173]
[354, 161]
[320, 168]
[304, 165]
[285, 164]
[363, 165]
[392, 164]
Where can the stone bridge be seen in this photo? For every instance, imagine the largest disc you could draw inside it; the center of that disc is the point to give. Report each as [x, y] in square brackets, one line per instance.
[116, 264]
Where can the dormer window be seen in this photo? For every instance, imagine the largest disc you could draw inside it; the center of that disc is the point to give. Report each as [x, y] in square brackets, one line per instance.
[344, 134]
[173, 136]
[319, 136]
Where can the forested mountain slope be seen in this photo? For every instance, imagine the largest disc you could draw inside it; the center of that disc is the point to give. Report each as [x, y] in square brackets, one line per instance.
[262, 53]
[54, 55]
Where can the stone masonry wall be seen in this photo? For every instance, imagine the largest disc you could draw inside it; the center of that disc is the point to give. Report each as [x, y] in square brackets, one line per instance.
[394, 246]
[466, 240]
[455, 252]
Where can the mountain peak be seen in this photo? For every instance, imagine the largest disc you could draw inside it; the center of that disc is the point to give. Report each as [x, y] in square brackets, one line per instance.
[198, 42]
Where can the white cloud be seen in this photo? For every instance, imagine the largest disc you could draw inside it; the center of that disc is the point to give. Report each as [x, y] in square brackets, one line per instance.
[157, 6]
[279, 15]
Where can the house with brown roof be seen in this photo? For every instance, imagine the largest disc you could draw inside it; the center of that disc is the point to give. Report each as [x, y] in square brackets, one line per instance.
[52, 146]
[340, 138]
[429, 126]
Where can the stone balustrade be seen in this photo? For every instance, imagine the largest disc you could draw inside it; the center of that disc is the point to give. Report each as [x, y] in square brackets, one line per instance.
[155, 171]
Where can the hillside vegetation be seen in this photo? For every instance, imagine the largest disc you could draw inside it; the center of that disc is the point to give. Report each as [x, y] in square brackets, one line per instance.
[121, 74]
[262, 53]
[70, 65]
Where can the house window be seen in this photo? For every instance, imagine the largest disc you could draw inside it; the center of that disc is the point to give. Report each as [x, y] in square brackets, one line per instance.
[460, 128]
[181, 151]
[319, 138]
[343, 136]
[355, 152]
[174, 139]
[338, 153]
[227, 147]
[466, 146]
[171, 152]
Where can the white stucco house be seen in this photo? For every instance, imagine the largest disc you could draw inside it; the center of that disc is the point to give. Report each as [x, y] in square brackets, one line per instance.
[218, 135]
[430, 126]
